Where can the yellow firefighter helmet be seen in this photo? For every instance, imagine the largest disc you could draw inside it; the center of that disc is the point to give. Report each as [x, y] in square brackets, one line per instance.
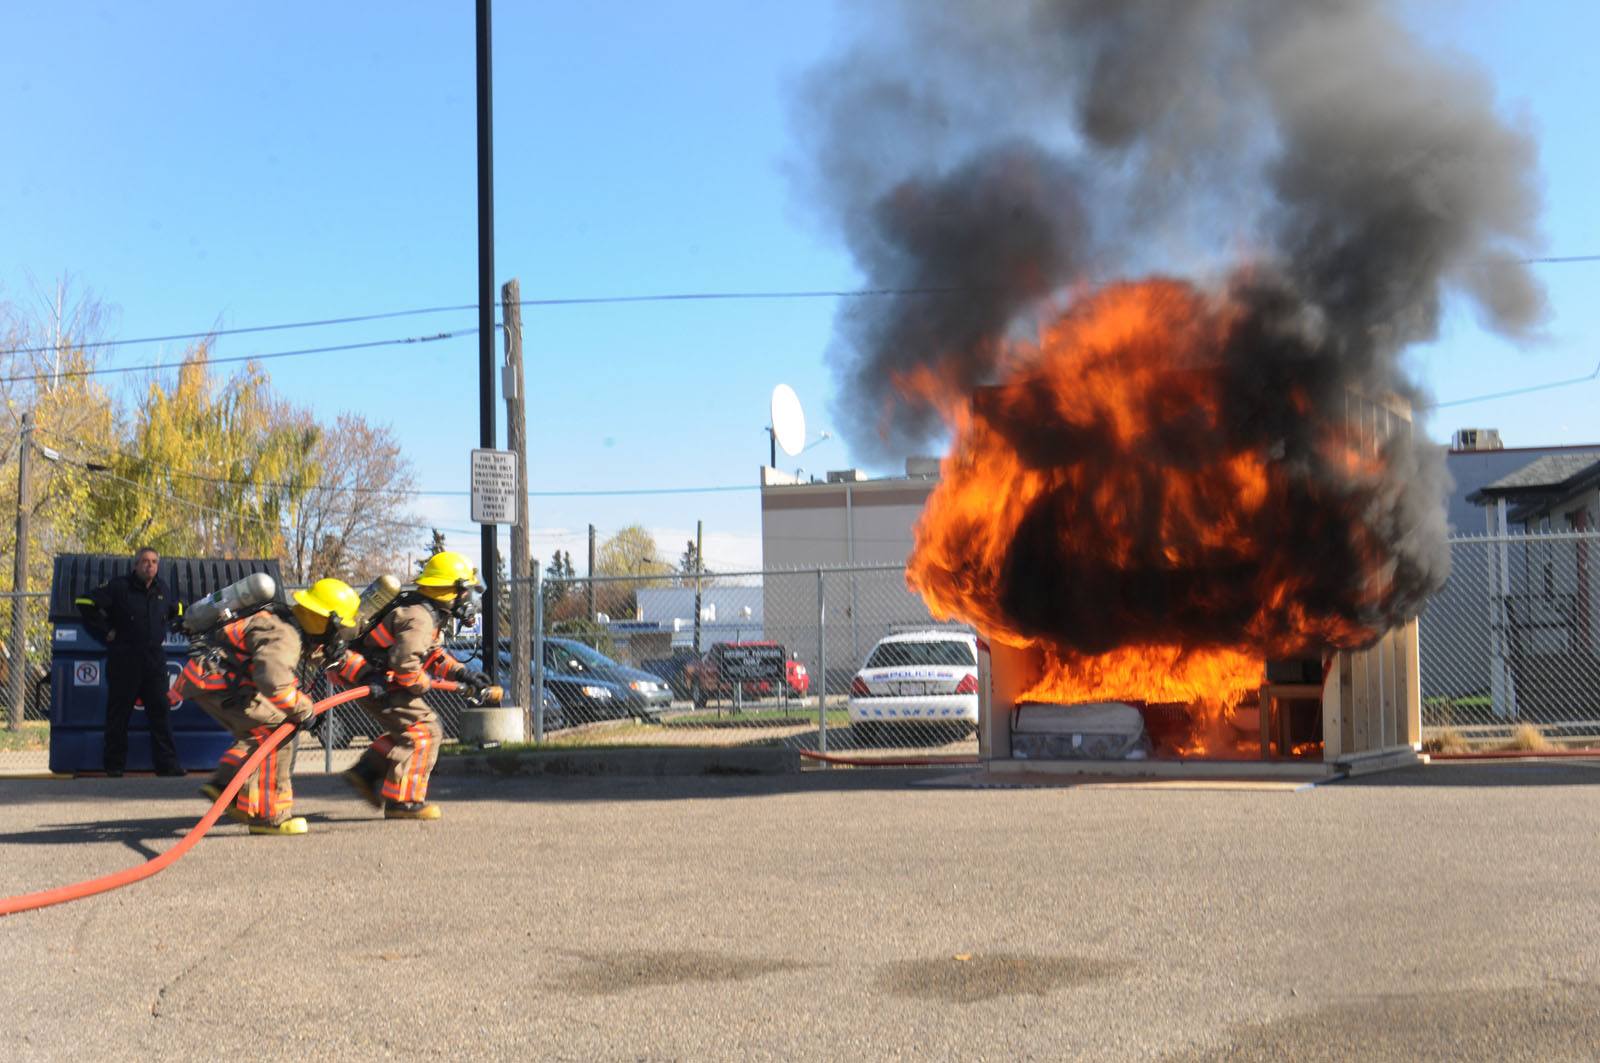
[328, 597]
[447, 569]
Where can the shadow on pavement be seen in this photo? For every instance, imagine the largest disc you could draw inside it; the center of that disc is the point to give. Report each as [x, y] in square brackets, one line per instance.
[133, 833]
[136, 834]
[580, 788]
[602, 787]
[1573, 772]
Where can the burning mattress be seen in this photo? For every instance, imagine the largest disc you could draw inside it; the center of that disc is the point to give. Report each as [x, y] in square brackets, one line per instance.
[1106, 730]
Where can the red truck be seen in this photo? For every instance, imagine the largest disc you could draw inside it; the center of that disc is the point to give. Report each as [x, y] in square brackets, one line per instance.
[753, 666]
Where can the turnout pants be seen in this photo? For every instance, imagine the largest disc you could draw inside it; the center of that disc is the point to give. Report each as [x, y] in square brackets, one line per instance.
[138, 676]
[404, 755]
[250, 718]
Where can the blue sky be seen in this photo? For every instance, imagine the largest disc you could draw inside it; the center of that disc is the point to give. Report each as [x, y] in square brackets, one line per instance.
[231, 164]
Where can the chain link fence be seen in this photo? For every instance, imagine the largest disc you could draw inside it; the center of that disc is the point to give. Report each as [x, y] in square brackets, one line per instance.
[849, 661]
[25, 689]
[1514, 637]
[834, 660]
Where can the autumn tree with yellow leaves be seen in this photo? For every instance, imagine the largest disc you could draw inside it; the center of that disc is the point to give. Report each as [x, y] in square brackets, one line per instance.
[197, 464]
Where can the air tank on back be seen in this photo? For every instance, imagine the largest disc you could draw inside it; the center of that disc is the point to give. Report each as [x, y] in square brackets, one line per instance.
[254, 590]
[379, 593]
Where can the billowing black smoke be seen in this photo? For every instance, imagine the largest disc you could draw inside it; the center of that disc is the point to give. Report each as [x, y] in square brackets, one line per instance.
[1308, 157]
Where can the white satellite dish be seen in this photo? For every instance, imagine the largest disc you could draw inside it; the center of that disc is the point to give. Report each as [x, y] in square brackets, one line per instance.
[788, 421]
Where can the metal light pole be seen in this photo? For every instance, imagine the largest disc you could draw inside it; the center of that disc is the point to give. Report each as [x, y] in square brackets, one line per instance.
[486, 308]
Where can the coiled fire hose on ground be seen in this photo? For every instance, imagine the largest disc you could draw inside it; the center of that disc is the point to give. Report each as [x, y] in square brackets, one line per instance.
[27, 902]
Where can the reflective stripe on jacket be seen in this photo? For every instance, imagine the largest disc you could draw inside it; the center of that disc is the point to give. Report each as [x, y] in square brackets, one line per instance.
[410, 642]
[262, 650]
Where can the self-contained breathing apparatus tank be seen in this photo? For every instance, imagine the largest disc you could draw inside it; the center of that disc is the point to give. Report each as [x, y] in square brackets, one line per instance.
[236, 599]
[379, 593]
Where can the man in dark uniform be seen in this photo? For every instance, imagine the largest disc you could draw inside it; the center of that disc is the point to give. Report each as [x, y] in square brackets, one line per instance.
[131, 614]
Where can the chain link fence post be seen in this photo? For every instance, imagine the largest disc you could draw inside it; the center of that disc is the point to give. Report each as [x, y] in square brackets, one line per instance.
[328, 725]
[536, 688]
[822, 664]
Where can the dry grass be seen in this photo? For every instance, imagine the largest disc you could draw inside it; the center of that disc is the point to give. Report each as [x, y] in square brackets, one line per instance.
[1527, 739]
[1447, 740]
[34, 736]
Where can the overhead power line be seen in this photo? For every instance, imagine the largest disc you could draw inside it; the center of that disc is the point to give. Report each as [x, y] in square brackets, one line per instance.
[410, 492]
[591, 300]
[581, 300]
[1595, 375]
[645, 491]
[99, 470]
[244, 329]
[105, 371]
[542, 533]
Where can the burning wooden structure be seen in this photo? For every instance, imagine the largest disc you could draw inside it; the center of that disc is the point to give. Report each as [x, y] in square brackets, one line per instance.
[1248, 600]
[1349, 711]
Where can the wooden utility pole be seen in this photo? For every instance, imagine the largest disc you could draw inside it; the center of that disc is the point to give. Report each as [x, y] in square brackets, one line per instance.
[517, 441]
[18, 671]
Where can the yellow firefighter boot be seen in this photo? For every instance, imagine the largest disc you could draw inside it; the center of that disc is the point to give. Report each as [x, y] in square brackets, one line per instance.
[411, 810]
[292, 825]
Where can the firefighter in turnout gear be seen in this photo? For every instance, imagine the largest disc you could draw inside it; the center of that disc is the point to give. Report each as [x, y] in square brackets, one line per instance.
[244, 673]
[401, 654]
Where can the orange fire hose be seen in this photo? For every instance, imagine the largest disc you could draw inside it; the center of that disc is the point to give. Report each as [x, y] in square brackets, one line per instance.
[27, 902]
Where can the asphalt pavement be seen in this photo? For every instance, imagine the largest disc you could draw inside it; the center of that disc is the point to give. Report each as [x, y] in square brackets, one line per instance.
[1442, 912]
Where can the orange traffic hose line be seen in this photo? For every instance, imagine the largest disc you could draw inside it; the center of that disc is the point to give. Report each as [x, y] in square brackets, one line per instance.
[28, 902]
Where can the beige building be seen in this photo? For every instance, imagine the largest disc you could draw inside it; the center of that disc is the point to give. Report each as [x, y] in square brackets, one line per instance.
[843, 522]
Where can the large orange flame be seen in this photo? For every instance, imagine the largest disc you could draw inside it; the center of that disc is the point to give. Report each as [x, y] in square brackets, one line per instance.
[1082, 445]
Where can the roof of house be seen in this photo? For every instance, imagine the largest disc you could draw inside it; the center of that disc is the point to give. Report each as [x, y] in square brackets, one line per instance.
[1543, 474]
[1541, 482]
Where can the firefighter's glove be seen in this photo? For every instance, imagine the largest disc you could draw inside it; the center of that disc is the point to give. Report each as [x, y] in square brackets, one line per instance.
[302, 715]
[378, 685]
[476, 682]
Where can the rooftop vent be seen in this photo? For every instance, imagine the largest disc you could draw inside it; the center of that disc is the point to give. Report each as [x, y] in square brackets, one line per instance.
[1476, 439]
[845, 476]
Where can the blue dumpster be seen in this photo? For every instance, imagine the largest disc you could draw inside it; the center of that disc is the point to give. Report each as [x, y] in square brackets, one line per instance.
[78, 664]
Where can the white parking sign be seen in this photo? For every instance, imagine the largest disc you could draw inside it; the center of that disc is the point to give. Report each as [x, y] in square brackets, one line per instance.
[494, 486]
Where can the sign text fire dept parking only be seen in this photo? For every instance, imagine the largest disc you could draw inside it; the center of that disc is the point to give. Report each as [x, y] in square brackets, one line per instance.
[494, 487]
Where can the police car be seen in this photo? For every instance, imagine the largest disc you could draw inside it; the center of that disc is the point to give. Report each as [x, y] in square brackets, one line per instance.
[920, 677]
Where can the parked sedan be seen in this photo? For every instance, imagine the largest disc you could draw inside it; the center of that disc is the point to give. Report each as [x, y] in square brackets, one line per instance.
[920, 677]
[592, 686]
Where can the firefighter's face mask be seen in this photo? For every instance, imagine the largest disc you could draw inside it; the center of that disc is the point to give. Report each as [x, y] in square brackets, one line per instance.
[468, 603]
[331, 643]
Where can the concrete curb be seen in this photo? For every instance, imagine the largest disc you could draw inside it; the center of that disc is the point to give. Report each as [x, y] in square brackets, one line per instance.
[622, 762]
